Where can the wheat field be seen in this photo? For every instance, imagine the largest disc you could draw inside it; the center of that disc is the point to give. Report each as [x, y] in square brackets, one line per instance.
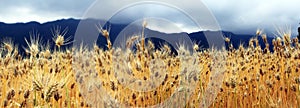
[245, 77]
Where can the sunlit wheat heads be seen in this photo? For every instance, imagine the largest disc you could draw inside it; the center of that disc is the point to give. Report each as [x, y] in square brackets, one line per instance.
[59, 36]
[253, 76]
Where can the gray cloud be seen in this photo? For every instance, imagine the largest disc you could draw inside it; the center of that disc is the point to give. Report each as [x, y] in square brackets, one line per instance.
[239, 16]
[41, 10]
[188, 13]
[244, 16]
[166, 19]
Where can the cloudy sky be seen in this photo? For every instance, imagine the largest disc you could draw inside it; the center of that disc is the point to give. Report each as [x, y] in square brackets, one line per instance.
[239, 16]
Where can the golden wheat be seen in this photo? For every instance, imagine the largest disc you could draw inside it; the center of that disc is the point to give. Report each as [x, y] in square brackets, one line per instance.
[253, 77]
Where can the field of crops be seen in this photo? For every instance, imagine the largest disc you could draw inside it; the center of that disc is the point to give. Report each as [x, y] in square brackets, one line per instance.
[82, 77]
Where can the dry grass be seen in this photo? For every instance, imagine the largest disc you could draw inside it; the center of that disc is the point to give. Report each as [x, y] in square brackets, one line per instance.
[253, 77]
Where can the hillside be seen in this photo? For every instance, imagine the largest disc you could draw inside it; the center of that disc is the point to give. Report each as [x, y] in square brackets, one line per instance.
[19, 31]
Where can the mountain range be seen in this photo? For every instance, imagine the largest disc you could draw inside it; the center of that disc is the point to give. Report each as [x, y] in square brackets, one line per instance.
[19, 31]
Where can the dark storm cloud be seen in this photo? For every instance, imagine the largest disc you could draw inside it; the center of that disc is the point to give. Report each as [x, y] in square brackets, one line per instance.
[240, 16]
[245, 16]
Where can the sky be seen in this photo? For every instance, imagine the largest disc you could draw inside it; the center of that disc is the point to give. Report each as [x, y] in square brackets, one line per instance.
[238, 16]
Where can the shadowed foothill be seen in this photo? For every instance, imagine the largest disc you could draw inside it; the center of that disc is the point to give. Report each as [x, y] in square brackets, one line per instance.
[298, 33]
